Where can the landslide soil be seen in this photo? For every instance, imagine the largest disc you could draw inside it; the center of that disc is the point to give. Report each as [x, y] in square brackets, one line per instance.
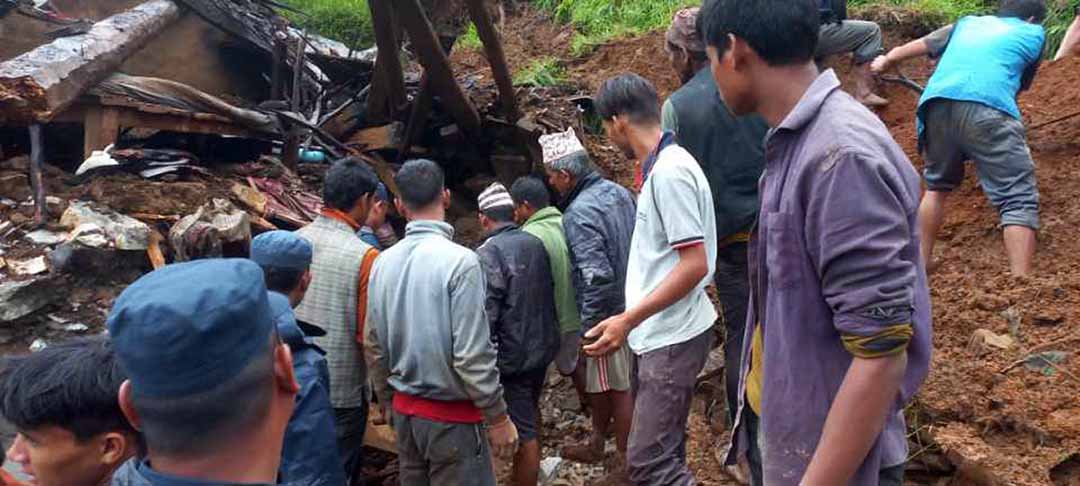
[1014, 425]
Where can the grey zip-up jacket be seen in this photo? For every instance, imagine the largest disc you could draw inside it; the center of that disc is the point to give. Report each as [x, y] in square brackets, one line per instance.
[427, 333]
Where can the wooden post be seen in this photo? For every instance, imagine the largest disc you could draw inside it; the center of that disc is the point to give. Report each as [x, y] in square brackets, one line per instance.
[37, 185]
[496, 57]
[281, 53]
[100, 127]
[417, 118]
[291, 150]
[389, 82]
[437, 66]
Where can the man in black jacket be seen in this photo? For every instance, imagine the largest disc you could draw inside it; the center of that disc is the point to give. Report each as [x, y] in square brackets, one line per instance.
[731, 152]
[598, 217]
[520, 306]
[839, 35]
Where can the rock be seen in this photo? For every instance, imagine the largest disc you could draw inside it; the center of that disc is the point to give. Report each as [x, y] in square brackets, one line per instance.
[549, 469]
[32, 266]
[38, 345]
[984, 341]
[1014, 318]
[90, 235]
[1048, 317]
[69, 327]
[123, 232]
[77, 259]
[46, 237]
[203, 234]
[1043, 362]
[989, 302]
[22, 298]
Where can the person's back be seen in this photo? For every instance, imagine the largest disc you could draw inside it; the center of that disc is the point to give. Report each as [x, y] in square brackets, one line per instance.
[984, 60]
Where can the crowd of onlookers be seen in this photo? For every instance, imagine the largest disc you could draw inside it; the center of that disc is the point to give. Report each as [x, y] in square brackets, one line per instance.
[759, 177]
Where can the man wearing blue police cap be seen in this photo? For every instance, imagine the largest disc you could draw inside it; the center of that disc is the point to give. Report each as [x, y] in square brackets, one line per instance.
[310, 454]
[211, 385]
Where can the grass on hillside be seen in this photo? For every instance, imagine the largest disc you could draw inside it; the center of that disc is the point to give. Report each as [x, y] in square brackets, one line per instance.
[597, 21]
[348, 21]
[541, 72]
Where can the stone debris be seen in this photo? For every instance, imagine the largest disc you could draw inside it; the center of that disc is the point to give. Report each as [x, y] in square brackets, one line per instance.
[46, 237]
[22, 298]
[123, 232]
[983, 341]
[33, 266]
[38, 345]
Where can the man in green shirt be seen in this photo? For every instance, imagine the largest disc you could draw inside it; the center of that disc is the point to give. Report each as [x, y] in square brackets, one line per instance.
[533, 210]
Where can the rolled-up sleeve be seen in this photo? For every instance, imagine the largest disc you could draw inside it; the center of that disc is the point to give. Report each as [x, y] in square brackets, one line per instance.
[856, 231]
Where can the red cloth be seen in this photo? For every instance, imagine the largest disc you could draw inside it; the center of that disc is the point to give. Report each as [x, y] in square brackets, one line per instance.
[7, 480]
[341, 216]
[459, 412]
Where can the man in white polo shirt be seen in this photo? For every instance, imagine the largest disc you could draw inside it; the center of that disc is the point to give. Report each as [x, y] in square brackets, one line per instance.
[668, 318]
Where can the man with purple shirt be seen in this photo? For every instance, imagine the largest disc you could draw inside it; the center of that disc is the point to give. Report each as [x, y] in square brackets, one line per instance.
[839, 321]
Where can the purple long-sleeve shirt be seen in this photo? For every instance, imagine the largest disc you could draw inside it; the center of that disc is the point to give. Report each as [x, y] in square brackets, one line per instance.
[835, 252]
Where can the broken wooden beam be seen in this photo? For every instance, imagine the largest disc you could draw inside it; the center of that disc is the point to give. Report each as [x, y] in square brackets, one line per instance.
[390, 136]
[37, 85]
[37, 185]
[437, 66]
[388, 92]
[496, 58]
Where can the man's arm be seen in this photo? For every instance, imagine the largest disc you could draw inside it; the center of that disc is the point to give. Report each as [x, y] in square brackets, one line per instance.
[1071, 41]
[594, 279]
[375, 347]
[857, 232]
[474, 358]
[932, 45]
[669, 121]
[495, 299]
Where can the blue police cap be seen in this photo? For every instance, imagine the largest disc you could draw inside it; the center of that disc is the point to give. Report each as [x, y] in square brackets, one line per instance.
[189, 327]
[281, 249]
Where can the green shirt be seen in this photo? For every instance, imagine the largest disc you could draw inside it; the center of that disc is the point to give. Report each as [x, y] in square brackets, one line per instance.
[546, 224]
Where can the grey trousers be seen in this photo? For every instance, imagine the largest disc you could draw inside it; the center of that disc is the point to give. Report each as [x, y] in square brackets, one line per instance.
[656, 453]
[857, 36]
[436, 453]
[350, 425]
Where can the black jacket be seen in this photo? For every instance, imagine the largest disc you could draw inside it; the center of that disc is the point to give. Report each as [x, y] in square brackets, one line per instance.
[599, 222]
[520, 300]
[730, 150]
[832, 11]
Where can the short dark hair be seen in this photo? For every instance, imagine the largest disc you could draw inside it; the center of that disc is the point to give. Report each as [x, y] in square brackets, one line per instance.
[282, 280]
[500, 214]
[198, 423]
[420, 182]
[1023, 9]
[346, 182]
[782, 32]
[530, 190]
[630, 95]
[72, 385]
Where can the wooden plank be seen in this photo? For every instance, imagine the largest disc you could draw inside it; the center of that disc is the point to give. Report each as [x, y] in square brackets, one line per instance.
[437, 66]
[37, 85]
[101, 125]
[37, 185]
[388, 87]
[390, 136]
[496, 57]
[418, 117]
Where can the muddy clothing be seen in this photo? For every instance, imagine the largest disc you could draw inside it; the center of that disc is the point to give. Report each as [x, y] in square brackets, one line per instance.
[599, 223]
[730, 150]
[859, 37]
[434, 453]
[834, 258]
[609, 373]
[523, 402]
[958, 131]
[137, 472]
[310, 453]
[656, 452]
[547, 224]
[428, 336]
[520, 301]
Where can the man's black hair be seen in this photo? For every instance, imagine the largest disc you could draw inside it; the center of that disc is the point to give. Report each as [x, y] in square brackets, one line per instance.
[72, 385]
[1023, 9]
[500, 214]
[346, 182]
[199, 423]
[782, 32]
[628, 95]
[420, 182]
[531, 190]
[282, 280]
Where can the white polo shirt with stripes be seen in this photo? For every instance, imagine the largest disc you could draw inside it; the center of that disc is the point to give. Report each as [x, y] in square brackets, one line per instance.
[675, 210]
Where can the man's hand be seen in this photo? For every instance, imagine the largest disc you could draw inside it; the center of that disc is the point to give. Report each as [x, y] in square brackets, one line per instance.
[880, 64]
[503, 436]
[612, 334]
[382, 416]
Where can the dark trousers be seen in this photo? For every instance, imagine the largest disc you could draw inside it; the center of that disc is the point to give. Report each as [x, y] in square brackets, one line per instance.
[890, 476]
[437, 453]
[733, 288]
[656, 453]
[350, 425]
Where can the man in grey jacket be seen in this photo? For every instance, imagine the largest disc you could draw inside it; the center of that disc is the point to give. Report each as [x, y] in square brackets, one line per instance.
[599, 220]
[429, 347]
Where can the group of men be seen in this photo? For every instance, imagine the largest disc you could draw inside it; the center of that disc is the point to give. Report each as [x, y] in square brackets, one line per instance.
[759, 176]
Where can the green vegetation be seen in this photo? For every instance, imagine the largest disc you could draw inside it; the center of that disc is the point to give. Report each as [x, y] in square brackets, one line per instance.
[348, 21]
[941, 11]
[471, 39]
[541, 72]
[597, 21]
